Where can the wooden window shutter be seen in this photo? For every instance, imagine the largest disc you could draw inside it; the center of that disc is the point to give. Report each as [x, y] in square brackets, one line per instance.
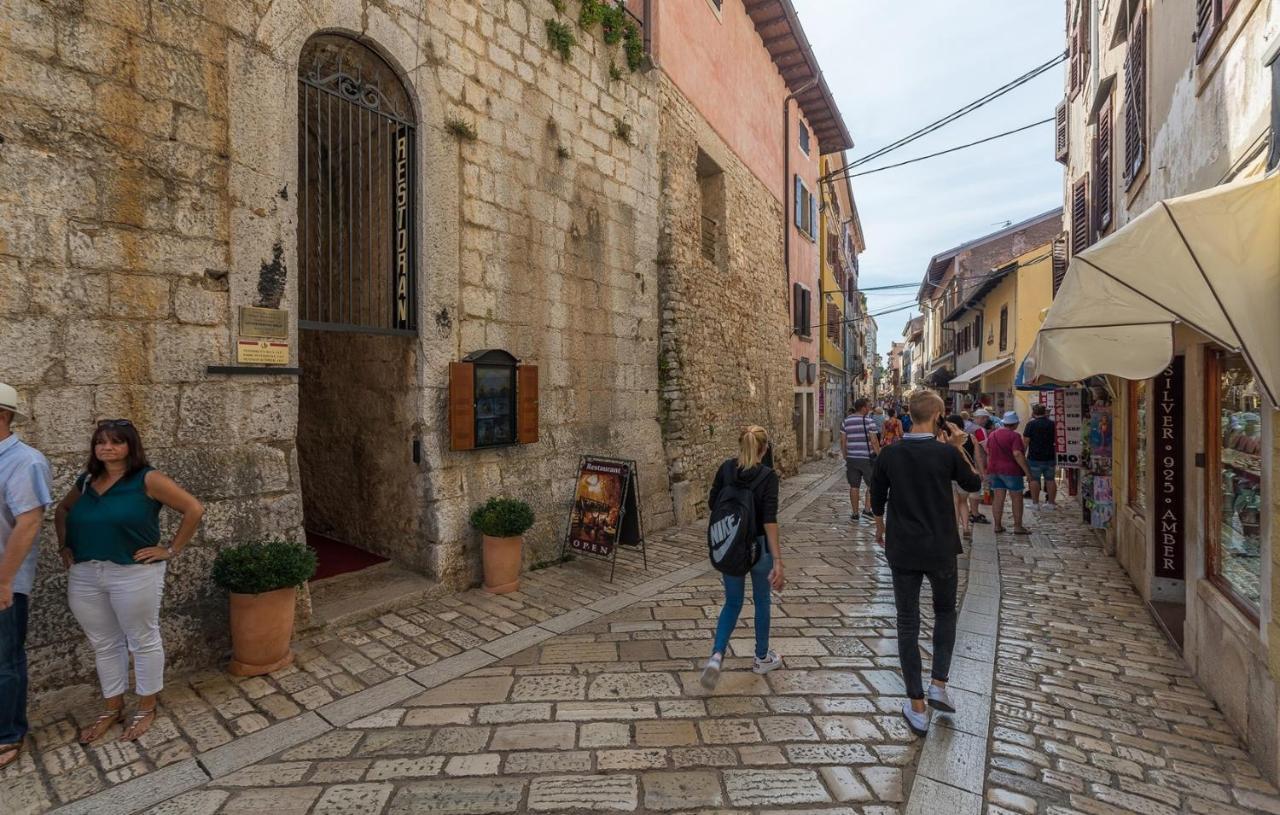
[799, 203]
[1059, 262]
[1004, 327]
[1082, 32]
[1080, 232]
[462, 406]
[1102, 171]
[797, 308]
[527, 404]
[1061, 134]
[1135, 98]
[1208, 20]
[833, 323]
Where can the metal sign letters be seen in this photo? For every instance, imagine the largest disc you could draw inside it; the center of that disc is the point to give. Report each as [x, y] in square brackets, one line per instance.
[1170, 553]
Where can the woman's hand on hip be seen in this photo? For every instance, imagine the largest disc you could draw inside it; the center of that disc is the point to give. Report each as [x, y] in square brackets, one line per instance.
[152, 554]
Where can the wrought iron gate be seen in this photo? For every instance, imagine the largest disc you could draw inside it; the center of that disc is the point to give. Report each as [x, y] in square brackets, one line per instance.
[356, 192]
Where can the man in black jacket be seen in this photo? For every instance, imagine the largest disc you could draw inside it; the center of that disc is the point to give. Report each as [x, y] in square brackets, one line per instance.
[914, 478]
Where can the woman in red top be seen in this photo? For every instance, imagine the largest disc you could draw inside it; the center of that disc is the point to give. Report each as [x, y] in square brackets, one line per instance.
[1007, 465]
[892, 430]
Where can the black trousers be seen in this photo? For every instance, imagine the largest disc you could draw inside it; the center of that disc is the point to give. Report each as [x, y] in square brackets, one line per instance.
[906, 596]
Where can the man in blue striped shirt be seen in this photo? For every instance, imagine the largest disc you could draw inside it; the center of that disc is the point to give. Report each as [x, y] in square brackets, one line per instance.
[861, 443]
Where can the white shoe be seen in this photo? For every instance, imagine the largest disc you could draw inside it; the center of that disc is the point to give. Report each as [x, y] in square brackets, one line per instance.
[939, 699]
[763, 666]
[711, 673]
[917, 722]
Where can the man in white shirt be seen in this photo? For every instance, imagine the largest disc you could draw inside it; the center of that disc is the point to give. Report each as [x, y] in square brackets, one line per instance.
[24, 494]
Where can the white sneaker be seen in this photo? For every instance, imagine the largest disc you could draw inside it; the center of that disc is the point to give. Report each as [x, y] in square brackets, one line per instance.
[917, 722]
[939, 699]
[763, 666]
[711, 673]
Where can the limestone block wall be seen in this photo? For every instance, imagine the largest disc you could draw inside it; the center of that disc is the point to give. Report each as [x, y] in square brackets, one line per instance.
[725, 357]
[149, 155]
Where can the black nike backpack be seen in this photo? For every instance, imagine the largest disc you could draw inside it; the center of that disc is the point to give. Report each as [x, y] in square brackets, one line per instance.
[731, 531]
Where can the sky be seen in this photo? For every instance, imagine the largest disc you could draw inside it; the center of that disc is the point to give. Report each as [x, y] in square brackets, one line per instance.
[895, 67]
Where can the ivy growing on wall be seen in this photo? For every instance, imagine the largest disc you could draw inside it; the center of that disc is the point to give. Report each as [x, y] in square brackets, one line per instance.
[612, 17]
[560, 38]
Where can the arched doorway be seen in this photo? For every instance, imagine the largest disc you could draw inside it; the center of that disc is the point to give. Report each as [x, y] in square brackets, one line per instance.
[357, 308]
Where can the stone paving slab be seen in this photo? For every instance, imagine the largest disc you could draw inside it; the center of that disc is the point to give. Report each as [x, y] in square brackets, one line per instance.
[609, 716]
[345, 674]
[1093, 710]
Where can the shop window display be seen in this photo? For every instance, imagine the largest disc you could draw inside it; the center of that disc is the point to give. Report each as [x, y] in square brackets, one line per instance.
[1236, 500]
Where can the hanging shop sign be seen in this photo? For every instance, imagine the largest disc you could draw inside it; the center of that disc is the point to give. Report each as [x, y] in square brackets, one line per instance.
[403, 225]
[1170, 554]
[262, 352]
[606, 509]
[1066, 408]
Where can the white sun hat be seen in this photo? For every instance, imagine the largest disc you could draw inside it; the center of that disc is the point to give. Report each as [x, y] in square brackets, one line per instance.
[9, 400]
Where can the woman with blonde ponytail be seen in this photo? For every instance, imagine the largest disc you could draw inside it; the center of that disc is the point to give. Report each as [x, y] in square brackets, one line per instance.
[750, 472]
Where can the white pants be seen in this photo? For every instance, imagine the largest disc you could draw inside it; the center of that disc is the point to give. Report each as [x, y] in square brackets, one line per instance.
[119, 609]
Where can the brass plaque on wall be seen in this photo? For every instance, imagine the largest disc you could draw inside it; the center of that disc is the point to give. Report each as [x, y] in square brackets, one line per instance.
[262, 352]
[264, 322]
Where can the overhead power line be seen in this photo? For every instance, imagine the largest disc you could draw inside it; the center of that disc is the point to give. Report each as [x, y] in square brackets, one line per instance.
[950, 149]
[972, 282]
[951, 117]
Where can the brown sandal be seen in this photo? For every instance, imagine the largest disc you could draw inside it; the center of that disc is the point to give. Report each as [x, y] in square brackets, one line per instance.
[139, 716]
[100, 726]
[9, 753]
[1021, 530]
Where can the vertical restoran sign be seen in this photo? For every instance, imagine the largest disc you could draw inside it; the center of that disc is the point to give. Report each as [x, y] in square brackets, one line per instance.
[402, 228]
[1170, 552]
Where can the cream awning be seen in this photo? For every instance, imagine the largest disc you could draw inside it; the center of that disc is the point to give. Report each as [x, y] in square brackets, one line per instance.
[978, 371]
[1210, 260]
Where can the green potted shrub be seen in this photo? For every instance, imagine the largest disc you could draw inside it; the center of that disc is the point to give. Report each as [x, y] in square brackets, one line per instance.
[262, 577]
[502, 522]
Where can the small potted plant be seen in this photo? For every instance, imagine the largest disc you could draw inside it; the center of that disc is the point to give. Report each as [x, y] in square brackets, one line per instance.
[502, 522]
[262, 577]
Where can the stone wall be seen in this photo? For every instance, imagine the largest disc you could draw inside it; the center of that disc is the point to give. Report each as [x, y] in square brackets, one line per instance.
[149, 150]
[725, 357]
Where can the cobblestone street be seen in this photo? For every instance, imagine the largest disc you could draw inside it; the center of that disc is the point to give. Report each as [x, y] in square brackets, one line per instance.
[1094, 711]
[591, 702]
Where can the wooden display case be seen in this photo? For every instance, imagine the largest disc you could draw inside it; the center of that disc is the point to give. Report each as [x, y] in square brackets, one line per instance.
[493, 401]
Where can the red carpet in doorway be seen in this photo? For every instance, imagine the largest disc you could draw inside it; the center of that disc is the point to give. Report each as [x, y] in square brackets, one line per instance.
[339, 558]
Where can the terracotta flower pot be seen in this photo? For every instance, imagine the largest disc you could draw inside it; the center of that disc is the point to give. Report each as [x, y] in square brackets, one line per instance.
[261, 627]
[502, 564]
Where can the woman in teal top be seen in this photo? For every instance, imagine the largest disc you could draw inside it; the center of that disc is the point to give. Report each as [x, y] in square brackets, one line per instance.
[109, 530]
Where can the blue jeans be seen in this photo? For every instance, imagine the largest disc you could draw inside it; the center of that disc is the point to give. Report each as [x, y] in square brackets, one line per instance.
[13, 671]
[734, 589]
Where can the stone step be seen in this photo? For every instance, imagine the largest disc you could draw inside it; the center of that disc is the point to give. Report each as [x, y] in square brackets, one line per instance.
[349, 598]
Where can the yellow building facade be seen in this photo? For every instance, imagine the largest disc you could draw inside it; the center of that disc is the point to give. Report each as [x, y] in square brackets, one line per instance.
[1011, 315]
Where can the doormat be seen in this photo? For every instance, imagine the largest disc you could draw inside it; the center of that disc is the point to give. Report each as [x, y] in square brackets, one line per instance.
[336, 557]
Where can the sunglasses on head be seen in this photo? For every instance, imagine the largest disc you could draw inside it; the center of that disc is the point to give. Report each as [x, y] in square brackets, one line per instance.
[115, 423]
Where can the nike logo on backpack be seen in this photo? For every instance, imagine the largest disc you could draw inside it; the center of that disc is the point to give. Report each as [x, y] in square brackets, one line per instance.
[726, 531]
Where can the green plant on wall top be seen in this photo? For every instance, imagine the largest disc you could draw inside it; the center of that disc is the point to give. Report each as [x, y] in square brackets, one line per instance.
[592, 12]
[558, 5]
[502, 517]
[614, 21]
[560, 38]
[263, 565]
[633, 46]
